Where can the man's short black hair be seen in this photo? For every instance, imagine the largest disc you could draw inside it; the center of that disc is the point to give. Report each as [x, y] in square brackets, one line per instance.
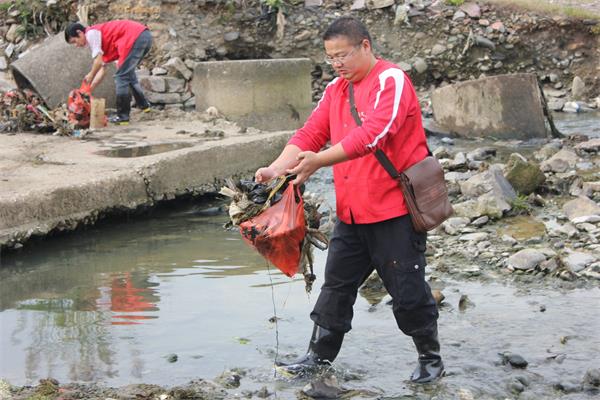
[73, 30]
[348, 27]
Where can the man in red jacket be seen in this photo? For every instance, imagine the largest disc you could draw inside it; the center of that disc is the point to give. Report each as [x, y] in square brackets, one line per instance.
[127, 43]
[374, 230]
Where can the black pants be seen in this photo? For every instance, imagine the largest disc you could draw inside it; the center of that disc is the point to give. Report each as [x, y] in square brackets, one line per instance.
[396, 251]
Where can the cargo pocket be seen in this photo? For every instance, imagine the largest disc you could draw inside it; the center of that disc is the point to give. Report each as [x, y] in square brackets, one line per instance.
[408, 282]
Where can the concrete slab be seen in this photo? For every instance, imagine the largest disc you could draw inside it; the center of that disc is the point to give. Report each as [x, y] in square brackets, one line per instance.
[503, 106]
[268, 94]
[50, 183]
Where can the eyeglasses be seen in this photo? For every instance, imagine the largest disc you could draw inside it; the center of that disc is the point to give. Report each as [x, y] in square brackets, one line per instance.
[340, 59]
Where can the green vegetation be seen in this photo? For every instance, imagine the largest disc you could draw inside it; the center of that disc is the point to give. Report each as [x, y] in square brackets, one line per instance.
[455, 2]
[520, 206]
[273, 3]
[34, 17]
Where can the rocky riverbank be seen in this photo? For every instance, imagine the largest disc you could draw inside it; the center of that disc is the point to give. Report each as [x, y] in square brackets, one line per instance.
[435, 42]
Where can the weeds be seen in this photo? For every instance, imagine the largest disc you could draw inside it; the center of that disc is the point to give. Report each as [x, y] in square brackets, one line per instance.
[35, 17]
[520, 206]
[455, 2]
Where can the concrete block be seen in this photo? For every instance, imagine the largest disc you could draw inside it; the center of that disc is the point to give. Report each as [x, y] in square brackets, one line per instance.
[175, 84]
[177, 67]
[163, 98]
[154, 84]
[266, 94]
[503, 106]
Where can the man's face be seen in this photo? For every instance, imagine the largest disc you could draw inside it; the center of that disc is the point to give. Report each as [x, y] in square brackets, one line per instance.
[350, 60]
[79, 40]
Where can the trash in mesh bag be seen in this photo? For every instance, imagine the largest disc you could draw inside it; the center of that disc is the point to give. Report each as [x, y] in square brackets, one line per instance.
[277, 233]
[79, 106]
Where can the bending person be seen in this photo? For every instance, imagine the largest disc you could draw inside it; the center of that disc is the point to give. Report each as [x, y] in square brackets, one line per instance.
[124, 41]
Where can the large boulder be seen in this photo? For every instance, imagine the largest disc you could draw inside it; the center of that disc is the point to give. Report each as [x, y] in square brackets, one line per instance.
[503, 106]
[560, 162]
[523, 175]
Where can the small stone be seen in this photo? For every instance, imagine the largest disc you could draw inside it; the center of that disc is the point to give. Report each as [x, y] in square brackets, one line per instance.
[481, 221]
[577, 88]
[515, 360]
[568, 387]
[438, 49]
[159, 71]
[464, 302]
[231, 36]
[420, 65]
[172, 358]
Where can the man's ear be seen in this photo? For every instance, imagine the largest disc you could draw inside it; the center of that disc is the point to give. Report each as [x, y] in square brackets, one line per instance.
[366, 44]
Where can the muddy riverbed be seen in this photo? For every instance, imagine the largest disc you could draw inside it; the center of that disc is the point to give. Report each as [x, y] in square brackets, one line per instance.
[173, 299]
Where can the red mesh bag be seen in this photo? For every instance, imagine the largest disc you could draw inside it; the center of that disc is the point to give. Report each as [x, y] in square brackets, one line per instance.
[79, 106]
[278, 232]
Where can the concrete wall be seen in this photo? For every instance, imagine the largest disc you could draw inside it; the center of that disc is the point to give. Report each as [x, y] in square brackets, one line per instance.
[77, 185]
[267, 94]
[54, 68]
[504, 106]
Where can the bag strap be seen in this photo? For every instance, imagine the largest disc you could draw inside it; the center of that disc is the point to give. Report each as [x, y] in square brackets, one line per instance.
[381, 157]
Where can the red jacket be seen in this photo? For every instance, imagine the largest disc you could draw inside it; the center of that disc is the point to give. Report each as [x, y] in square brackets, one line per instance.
[118, 37]
[391, 116]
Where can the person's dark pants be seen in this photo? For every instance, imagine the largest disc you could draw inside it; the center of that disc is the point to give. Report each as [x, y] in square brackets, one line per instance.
[126, 79]
[397, 252]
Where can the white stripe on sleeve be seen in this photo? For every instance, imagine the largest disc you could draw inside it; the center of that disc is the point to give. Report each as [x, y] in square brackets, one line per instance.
[398, 76]
[94, 40]
[323, 96]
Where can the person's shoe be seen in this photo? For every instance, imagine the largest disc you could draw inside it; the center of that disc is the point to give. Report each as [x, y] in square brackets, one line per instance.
[323, 348]
[430, 366]
[116, 120]
[146, 110]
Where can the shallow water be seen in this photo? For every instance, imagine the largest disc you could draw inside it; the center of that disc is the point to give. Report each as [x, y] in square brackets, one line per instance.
[110, 304]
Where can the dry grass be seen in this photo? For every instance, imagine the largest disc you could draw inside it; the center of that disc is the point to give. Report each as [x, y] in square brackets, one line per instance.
[584, 9]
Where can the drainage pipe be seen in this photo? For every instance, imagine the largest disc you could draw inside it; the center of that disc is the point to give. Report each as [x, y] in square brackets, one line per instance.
[54, 68]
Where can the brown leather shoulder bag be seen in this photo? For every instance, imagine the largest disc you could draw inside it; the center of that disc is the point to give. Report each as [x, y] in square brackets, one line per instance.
[423, 185]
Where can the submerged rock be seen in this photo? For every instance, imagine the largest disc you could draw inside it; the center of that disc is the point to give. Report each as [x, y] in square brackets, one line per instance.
[515, 360]
[324, 388]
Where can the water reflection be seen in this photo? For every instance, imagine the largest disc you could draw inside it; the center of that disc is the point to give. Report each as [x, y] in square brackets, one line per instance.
[128, 295]
[70, 305]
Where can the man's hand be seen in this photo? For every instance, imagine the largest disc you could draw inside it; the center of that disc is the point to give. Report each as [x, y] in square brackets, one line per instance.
[309, 162]
[88, 78]
[265, 174]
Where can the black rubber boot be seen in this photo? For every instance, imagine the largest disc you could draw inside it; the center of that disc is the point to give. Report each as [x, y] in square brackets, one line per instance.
[430, 365]
[123, 109]
[323, 348]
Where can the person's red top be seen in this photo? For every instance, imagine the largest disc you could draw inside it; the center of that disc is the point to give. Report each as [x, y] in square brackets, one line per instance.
[118, 37]
[391, 120]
